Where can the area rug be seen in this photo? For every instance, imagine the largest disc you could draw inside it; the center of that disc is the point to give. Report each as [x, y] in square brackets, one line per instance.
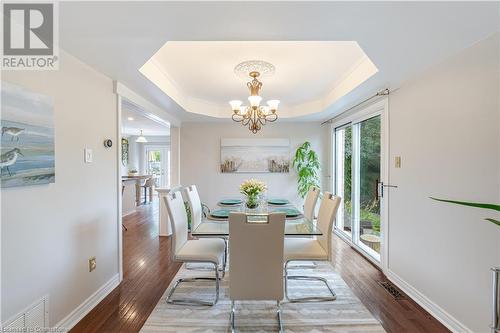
[344, 315]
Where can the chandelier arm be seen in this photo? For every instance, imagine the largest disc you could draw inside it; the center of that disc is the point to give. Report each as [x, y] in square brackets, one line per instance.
[269, 117]
[235, 117]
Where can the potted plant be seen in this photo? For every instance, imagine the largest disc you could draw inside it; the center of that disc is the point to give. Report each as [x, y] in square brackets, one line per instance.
[306, 163]
[252, 189]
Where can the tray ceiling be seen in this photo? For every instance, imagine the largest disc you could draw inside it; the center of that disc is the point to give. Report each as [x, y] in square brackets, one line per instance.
[309, 76]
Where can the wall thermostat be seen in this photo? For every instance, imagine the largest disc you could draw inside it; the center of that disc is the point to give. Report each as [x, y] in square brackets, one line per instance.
[108, 143]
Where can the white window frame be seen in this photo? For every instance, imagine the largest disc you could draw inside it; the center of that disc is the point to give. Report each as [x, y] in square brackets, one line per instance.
[158, 146]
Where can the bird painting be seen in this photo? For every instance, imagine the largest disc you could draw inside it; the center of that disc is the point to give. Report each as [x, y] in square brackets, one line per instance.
[13, 132]
[27, 150]
[9, 158]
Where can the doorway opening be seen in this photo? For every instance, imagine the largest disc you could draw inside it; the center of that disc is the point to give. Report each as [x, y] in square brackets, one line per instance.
[145, 164]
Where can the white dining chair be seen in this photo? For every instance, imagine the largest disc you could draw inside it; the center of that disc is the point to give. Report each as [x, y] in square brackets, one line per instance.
[196, 209]
[313, 249]
[206, 250]
[256, 265]
[310, 203]
[195, 206]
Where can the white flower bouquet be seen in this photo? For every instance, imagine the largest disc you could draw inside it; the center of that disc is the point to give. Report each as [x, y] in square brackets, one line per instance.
[252, 188]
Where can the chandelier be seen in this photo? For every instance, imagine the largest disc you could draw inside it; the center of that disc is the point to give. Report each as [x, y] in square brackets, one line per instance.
[254, 116]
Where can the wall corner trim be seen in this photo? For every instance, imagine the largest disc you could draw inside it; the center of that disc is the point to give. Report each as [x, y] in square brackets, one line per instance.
[435, 310]
[86, 306]
[150, 108]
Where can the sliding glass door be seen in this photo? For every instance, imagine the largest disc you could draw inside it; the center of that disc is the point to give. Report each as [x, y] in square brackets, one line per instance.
[343, 161]
[368, 173]
[357, 164]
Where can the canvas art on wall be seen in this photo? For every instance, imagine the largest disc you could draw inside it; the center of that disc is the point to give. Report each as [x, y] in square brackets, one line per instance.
[255, 155]
[27, 137]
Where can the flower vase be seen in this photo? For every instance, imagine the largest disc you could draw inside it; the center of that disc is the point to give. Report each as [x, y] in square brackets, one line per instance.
[252, 201]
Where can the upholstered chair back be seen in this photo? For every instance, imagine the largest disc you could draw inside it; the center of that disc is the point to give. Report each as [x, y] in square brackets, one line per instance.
[178, 220]
[326, 217]
[310, 203]
[193, 199]
[256, 265]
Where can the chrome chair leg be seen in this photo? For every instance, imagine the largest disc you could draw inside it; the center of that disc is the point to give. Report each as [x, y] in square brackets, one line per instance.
[280, 322]
[307, 278]
[232, 318]
[225, 258]
[313, 265]
[171, 300]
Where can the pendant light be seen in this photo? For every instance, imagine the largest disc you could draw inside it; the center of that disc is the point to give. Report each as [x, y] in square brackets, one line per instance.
[141, 139]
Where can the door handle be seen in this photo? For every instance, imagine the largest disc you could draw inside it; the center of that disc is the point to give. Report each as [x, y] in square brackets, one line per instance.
[380, 189]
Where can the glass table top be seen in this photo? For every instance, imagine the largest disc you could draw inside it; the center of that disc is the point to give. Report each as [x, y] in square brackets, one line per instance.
[297, 227]
[294, 225]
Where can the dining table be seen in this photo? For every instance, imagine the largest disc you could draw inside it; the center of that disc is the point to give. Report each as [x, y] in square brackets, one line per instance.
[217, 222]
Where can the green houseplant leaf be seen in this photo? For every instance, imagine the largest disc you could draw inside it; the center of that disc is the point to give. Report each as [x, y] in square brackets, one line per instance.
[306, 163]
[476, 205]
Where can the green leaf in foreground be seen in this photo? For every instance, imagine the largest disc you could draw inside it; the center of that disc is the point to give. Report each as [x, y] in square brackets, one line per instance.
[471, 204]
[493, 221]
[475, 204]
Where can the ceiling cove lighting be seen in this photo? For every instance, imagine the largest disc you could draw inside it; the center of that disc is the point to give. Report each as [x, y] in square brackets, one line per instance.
[254, 116]
[141, 138]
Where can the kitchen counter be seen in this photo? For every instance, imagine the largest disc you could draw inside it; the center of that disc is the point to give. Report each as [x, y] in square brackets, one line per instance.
[138, 180]
[128, 196]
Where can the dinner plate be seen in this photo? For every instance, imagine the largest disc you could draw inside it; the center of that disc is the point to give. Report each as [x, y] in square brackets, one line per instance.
[290, 212]
[220, 213]
[230, 202]
[278, 201]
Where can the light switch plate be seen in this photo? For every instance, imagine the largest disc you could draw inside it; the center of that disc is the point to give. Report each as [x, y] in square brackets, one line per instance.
[397, 162]
[92, 264]
[88, 155]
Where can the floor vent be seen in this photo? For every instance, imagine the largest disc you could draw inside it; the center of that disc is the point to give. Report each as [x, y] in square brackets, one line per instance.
[34, 317]
[392, 289]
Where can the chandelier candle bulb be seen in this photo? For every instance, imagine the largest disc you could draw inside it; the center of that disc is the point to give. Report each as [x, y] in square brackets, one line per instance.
[254, 101]
[273, 104]
[235, 105]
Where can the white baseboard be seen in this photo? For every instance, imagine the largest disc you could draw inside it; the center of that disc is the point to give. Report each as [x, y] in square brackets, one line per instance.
[83, 309]
[436, 311]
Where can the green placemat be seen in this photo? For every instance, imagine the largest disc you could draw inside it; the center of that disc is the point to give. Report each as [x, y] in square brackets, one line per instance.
[290, 212]
[220, 213]
[278, 201]
[230, 202]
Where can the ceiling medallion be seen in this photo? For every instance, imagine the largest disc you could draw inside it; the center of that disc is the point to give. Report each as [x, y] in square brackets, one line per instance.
[254, 116]
[264, 68]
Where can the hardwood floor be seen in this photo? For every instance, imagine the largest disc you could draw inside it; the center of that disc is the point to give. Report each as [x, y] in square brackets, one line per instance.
[396, 316]
[148, 270]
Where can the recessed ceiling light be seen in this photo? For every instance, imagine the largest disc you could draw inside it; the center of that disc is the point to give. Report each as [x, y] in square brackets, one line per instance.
[130, 118]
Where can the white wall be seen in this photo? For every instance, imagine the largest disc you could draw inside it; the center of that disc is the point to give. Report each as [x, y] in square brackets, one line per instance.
[50, 231]
[445, 126]
[200, 157]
